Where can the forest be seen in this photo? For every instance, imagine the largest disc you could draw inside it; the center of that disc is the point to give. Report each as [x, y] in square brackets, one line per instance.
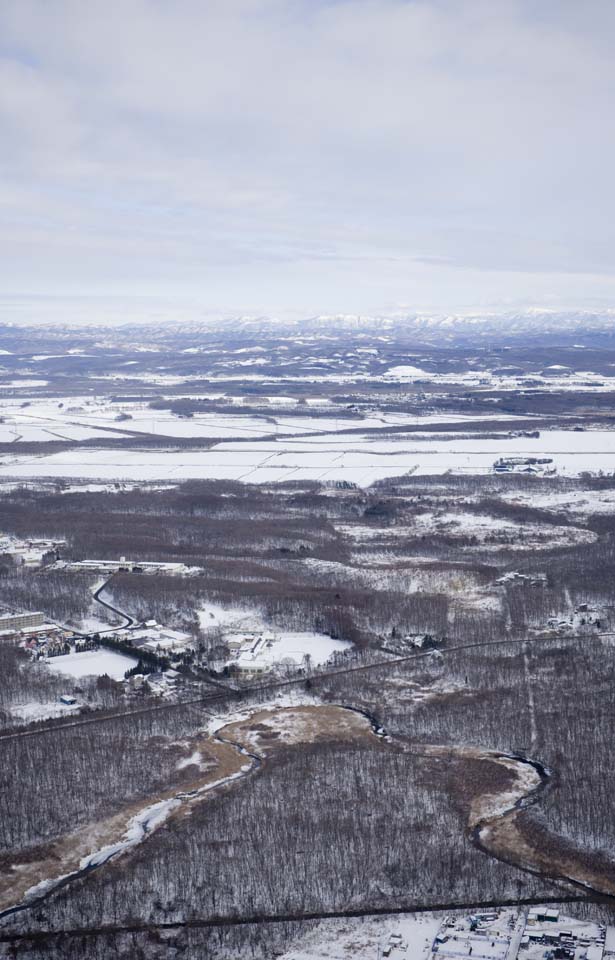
[521, 661]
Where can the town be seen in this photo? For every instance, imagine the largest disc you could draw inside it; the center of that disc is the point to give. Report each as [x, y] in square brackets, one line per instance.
[540, 933]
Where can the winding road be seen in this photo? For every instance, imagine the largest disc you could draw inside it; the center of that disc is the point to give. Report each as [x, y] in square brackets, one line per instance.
[109, 606]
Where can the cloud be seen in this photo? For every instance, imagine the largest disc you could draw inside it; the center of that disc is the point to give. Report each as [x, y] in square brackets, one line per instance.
[296, 154]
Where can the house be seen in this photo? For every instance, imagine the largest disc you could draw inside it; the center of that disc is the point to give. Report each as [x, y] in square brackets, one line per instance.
[67, 700]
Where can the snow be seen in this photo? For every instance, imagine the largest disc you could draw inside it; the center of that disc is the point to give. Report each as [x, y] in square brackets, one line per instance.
[366, 938]
[194, 759]
[260, 462]
[95, 625]
[405, 371]
[213, 615]
[84, 417]
[293, 647]
[495, 531]
[31, 711]
[491, 805]
[496, 939]
[93, 663]
[23, 383]
[290, 698]
[583, 502]
[283, 447]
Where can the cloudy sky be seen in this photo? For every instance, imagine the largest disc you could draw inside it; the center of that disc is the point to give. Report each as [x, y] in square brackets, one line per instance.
[302, 156]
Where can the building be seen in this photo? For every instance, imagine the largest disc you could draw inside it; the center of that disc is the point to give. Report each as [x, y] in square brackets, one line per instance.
[126, 566]
[157, 639]
[18, 621]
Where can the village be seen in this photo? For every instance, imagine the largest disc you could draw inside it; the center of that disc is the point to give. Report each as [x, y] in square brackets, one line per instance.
[541, 933]
[30, 552]
[537, 933]
[148, 658]
[143, 658]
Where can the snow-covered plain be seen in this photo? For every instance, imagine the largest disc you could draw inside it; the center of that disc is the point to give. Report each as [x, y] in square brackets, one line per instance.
[83, 418]
[270, 461]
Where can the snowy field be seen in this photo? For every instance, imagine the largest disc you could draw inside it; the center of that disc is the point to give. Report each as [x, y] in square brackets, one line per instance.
[84, 418]
[552, 378]
[292, 648]
[288, 647]
[368, 460]
[367, 939]
[581, 502]
[30, 711]
[213, 616]
[93, 663]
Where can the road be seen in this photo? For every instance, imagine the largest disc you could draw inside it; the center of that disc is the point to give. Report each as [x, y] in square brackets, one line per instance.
[44, 936]
[515, 942]
[129, 620]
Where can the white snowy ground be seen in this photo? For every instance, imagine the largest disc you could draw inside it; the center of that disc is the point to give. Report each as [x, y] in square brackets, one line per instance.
[366, 939]
[580, 502]
[82, 418]
[263, 462]
[214, 615]
[93, 663]
[552, 378]
[492, 532]
[42, 711]
[294, 647]
[289, 645]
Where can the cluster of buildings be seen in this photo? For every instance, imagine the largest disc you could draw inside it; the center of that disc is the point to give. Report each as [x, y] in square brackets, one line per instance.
[532, 465]
[534, 579]
[123, 565]
[154, 638]
[30, 553]
[546, 933]
[13, 623]
[246, 650]
[31, 631]
[540, 934]
[44, 640]
[582, 620]
[162, 683]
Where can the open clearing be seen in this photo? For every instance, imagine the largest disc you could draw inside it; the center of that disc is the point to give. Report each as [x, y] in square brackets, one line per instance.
[572, 453]
[93, 663]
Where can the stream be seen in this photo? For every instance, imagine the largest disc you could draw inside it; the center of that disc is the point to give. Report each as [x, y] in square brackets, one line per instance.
[138, 829]
[492, 829]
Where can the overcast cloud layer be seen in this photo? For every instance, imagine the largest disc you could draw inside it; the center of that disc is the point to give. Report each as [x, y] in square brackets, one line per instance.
[301, 156]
